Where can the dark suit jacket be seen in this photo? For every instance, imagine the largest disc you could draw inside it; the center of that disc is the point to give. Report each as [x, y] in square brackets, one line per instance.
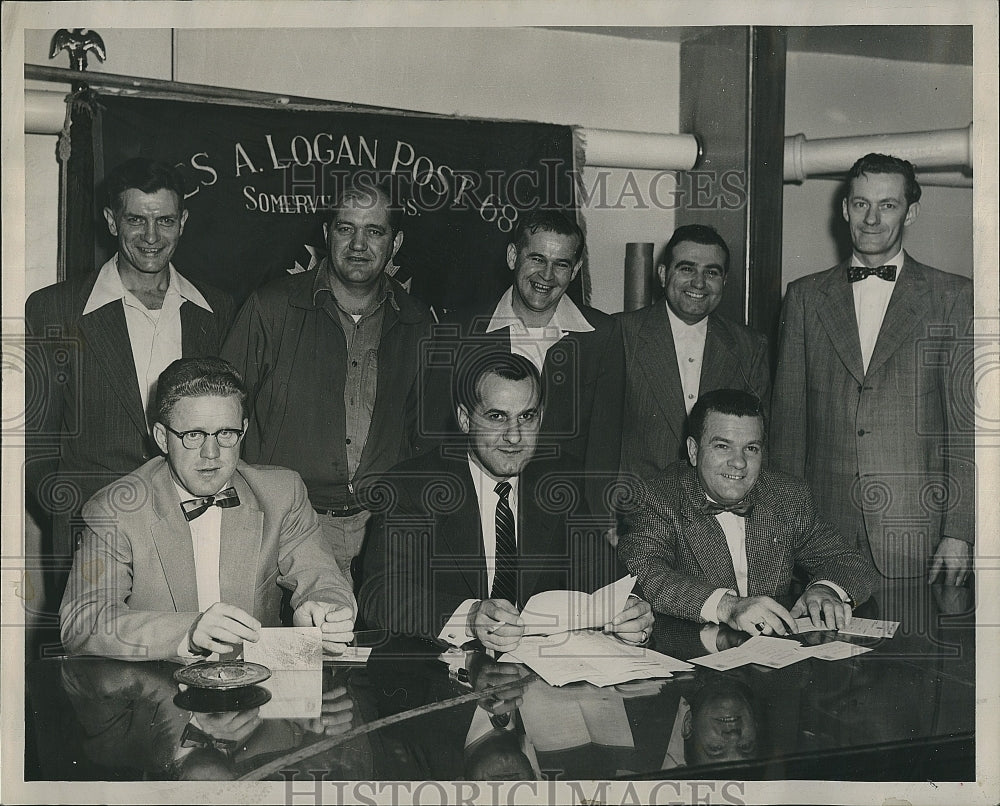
[887, 452]
[680, 554]
[584, 377]
[655, 416]
[84, 416]
[424, 553]
[133, 590]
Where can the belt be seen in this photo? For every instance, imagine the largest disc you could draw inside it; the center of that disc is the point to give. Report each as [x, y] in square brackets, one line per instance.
[340, 512]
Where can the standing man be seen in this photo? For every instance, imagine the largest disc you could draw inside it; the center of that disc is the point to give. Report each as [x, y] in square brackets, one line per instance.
[680, 348]
[577, 350]
[873, 400]
[188, 555]
[331, 362]
[100, 342]
[471, 534]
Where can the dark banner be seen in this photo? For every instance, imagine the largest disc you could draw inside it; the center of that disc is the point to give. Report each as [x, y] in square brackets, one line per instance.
[259, 179]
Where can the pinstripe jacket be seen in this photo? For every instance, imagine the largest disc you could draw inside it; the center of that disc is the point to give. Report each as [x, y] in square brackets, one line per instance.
[680, 554]
[888, 453]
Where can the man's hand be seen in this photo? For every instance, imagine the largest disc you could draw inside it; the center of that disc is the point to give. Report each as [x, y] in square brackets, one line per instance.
[335, 621]
[336, 716]
[491, 674]
[634, 624]
[230, 726]
[954, 558]
[221, 628]
[824, 607]
[497, 624]
[756, 615]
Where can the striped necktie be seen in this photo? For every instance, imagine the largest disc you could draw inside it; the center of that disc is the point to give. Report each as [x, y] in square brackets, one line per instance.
[505, 579]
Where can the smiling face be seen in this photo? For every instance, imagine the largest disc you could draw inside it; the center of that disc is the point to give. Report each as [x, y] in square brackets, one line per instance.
[503, 425]
[148, 227]
[723, 729]
[694, 280]
[208, 469]
[877, 213]
[360, 240]
[729, 456]
[543, 269]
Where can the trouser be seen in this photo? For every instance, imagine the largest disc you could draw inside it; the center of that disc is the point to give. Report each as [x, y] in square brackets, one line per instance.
[345, 535]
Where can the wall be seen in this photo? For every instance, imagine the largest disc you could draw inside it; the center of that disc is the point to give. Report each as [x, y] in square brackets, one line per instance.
[515, 73]
[838, 96]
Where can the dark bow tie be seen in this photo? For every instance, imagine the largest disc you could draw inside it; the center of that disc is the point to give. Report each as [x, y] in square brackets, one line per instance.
[742, 508]
[856, 273]
[198, 506]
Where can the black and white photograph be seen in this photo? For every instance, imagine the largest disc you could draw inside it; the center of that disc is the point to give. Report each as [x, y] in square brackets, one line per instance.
[437, 402]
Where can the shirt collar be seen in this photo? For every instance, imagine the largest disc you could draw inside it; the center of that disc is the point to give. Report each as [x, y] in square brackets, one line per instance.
[322, 283]
[679, 326]
[567, 317]
[109, 288]
[482, 481]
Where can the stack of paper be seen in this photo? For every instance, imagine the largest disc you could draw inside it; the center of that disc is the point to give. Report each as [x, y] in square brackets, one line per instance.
[867, 627]
[777, 653]
[556, 611]
[592, 657]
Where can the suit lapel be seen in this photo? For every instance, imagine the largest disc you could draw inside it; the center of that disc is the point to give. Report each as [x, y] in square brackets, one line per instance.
[172, 538]
[106, 332]
[763, 553]
[717, 362]
[197, 330]
[536, 536]
[907, 308]
[704, 536]
[840, 321]
[239, 552]
[657, 358]
[462, 532]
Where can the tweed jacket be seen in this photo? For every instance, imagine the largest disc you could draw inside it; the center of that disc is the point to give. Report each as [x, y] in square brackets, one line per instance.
[424, 554]
[584, 379]
[133, 594]
[887, 452]
[680, 554]
[655, 415]
[85, 422]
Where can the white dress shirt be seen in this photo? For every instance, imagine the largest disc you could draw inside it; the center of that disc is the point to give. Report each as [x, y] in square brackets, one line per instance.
[534, 342]
[689, 350]
[455, 631]
[871, 298]
[154, 335]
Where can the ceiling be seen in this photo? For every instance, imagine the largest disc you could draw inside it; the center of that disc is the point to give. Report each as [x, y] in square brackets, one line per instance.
[939, 44]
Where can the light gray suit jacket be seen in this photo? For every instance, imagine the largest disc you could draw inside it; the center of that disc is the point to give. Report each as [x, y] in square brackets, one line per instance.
[655, 416]
[132, 593]
[887, 452]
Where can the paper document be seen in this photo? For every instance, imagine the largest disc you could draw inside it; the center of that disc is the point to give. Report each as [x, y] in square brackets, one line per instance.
[592, 657]
[294, 694]
[552, 612]
[286, 649]
[761, 649]
[834, 650]
[870, 628]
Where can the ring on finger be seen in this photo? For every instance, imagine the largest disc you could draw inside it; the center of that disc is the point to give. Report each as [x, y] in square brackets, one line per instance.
[761, 626]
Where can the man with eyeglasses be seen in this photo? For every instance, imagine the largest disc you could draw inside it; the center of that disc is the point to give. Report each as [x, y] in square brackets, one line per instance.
[188, 555]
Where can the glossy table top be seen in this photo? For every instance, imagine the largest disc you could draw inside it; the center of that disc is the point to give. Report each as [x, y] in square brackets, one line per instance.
[904, 711]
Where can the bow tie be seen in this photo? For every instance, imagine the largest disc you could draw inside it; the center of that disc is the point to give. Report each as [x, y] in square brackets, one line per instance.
[742, 508]
[856, 273]
[198, 506]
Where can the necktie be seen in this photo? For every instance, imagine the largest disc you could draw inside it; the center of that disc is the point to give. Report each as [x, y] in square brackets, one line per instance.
[742, 508]
[198, 506]
[505, 578]
[856, 273]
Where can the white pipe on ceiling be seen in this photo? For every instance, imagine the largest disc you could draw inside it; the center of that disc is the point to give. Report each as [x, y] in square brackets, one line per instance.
[609, 148]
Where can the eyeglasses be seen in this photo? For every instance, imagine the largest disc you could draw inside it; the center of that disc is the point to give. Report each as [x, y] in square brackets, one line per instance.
[192, 440]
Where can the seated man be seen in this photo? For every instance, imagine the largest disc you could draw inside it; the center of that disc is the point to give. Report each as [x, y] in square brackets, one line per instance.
[184, 556]
[717, 541]
[471, 534]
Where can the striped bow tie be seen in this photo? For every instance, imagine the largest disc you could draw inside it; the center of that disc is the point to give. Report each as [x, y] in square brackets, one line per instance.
[198, 506]
[856, 273]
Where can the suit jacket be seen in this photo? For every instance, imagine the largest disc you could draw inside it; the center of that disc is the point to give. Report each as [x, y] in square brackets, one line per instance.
[681, 557]
[887, 452]
[84, 417]
[133, 593]
[655, 415]
[424, 554]
[584, 377]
